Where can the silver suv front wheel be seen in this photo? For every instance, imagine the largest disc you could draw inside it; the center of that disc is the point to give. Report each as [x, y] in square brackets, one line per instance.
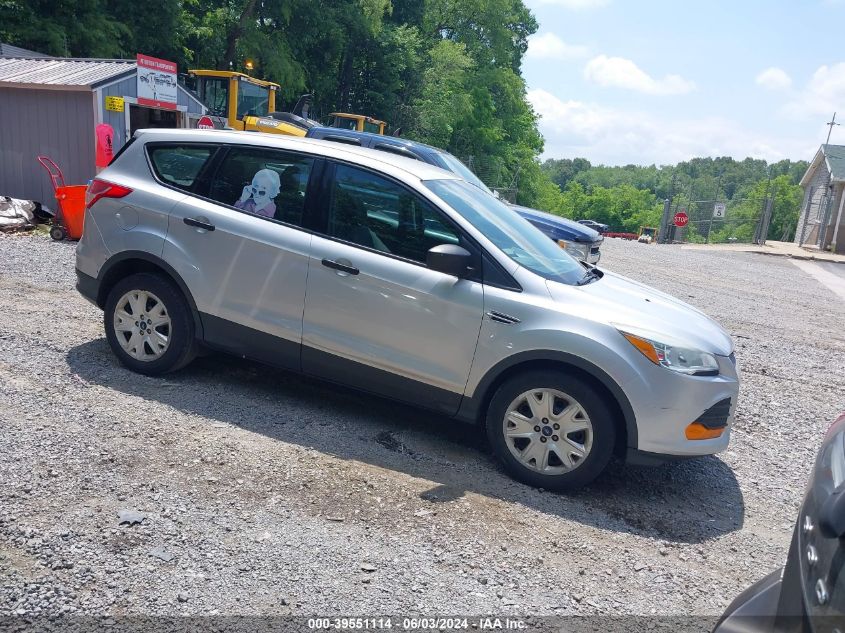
[548, 430]
[551, 429]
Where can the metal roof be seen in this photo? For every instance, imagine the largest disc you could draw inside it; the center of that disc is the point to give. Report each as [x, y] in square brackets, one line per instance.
[835, 157]
[61, 73]
[7, 50]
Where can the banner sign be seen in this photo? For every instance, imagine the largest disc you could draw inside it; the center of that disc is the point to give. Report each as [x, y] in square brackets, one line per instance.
[114, 104]
[156, 82]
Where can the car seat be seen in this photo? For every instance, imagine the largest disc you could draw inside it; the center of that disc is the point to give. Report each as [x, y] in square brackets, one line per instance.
[290, 201]
[349, 222]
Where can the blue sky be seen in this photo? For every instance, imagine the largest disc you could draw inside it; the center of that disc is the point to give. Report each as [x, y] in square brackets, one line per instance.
[653, 81]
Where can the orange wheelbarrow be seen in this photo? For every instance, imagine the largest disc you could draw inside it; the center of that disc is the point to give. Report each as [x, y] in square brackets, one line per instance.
[70, 214]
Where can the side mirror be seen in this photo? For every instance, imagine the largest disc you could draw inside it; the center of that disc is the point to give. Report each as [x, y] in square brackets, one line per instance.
[450, 259]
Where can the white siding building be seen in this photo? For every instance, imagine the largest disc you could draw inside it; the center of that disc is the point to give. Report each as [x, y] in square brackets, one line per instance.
[821, 219]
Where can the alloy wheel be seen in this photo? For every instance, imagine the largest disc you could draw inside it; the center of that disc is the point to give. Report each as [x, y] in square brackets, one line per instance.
[548, 431]
[142, 325]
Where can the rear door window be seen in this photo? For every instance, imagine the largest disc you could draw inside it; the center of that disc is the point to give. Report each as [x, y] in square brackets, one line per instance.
[263, 182]
[179, 165]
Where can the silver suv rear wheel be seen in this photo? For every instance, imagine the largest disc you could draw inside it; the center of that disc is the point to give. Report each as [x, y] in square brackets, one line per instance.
[149, 324]
[142, 325]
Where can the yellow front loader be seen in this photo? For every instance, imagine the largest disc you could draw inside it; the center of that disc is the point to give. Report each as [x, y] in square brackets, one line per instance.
[357, 122]
[239, 102]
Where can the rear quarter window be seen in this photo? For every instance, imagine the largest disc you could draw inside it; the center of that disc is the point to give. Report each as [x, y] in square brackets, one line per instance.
[178, 165]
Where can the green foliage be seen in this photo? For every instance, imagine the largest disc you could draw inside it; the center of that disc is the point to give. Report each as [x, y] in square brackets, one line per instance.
[443, 101]
[623, 207]
[446, 71]
[83, 28]
[596, 190]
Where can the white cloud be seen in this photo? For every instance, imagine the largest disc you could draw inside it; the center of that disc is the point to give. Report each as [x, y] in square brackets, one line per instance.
[576, 5]
[774, 79]
[619, 72]
[623, 136]
[823, 94]
[550, 46]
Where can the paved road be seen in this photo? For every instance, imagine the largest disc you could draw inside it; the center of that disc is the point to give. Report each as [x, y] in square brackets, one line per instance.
[829, 274]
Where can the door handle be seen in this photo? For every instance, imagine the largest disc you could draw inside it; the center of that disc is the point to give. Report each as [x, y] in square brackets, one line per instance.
[330, 263]
[199, 224]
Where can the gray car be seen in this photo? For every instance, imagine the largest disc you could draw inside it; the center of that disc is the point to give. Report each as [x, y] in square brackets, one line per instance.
[396, 277]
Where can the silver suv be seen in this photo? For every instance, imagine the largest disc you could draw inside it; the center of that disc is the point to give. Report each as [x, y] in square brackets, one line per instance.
[398, 278]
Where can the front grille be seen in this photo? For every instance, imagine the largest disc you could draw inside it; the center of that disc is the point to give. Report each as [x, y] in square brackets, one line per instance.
[716, 417]
[594, 250]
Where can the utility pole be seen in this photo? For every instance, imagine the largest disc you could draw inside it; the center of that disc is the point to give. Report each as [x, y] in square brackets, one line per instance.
[830, 125]
[665, 221]
[715, 200]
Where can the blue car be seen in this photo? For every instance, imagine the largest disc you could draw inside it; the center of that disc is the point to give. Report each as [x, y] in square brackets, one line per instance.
[580, 241]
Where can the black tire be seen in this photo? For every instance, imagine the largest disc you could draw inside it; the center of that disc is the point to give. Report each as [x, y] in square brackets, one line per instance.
[58, 233]
[182, 345]
[599, 414]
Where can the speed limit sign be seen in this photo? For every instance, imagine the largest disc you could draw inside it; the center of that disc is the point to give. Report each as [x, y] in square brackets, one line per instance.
[719, 210]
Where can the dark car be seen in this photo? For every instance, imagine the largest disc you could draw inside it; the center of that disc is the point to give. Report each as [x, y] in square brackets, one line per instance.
[808, 594]
[597, 226]
[580, 241]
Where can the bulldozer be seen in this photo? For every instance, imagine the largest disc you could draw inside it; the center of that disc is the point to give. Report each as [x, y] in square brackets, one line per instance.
[239, 102]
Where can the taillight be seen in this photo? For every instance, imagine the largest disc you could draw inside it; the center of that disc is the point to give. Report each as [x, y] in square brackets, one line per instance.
[103, 189]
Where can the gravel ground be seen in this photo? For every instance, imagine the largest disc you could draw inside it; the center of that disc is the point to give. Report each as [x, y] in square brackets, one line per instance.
[264, 493]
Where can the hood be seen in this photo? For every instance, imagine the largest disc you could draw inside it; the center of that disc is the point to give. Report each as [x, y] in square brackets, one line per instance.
[647, 312]
[568, 229]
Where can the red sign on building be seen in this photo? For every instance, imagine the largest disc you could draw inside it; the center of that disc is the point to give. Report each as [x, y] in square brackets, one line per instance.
[156, 82]
[205, 123]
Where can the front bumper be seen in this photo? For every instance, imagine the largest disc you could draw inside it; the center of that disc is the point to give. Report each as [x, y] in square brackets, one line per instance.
[667, 402]
[589, 253]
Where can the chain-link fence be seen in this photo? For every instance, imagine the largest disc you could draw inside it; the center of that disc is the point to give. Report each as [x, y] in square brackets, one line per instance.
[741, 220]
[814, 224]
[493, 173]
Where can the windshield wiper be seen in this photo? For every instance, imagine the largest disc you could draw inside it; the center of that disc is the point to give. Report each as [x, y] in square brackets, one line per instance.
[591, 275]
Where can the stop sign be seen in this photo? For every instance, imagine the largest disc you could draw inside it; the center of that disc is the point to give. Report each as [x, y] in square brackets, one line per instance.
[681, 218]
[205, 123]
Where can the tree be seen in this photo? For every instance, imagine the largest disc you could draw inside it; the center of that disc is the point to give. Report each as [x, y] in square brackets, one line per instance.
[443, 100]
[83, 28]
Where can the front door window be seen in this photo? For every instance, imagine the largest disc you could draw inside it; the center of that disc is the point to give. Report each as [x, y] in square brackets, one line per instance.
[374, 212]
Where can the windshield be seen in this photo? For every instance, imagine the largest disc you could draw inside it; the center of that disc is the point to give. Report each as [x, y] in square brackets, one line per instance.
[452, 164]
[252, 100]
[214, 93]
[514, 236]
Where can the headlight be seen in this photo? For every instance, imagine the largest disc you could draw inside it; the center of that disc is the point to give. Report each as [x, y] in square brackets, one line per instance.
[578, 251]
[680, 359]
